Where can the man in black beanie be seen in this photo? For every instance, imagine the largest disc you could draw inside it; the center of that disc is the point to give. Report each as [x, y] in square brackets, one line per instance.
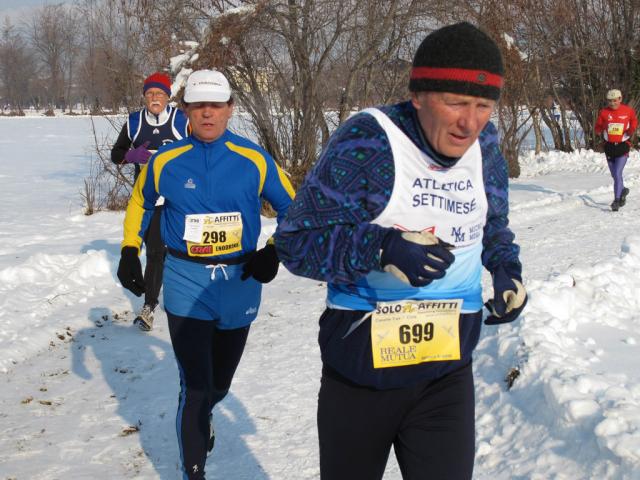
[404, 208]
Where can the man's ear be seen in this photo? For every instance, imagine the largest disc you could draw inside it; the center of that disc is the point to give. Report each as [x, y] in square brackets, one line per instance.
[414, 100]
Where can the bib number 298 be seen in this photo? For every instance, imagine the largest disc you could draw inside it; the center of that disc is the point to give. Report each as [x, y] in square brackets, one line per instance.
[214, 237]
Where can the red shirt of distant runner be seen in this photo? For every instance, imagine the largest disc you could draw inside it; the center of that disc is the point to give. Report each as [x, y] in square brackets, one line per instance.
[617, 125]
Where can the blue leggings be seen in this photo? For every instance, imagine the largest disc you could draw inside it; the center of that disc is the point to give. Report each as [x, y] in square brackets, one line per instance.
[616, 165]
[207, 360]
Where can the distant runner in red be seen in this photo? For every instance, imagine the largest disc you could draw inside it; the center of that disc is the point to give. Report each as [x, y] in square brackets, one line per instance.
[616, 123]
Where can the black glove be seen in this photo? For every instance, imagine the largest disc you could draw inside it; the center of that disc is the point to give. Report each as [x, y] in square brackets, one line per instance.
[417, 258]
[263, 265]
[130, 271]
[509, 298]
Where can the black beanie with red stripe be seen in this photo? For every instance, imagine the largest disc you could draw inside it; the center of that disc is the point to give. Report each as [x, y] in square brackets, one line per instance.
[460, 59]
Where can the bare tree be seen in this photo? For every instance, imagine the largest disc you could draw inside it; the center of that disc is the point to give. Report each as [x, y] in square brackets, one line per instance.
[47, 29]
[583, 48]
[16, 68]
[117, 54]
[299, 67]
[108, 186]
[516, 114]
[376, 53]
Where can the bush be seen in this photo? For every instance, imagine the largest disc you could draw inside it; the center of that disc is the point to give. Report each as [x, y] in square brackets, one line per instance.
[108, 186]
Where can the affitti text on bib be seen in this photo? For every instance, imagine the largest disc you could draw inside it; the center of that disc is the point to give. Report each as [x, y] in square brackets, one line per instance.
[211, 234]
[409, 332]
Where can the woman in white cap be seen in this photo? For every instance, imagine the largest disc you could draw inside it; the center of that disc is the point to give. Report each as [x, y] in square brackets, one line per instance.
[617, 122]
[213, 182]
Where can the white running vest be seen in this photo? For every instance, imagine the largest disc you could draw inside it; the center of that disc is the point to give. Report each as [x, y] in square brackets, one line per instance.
[450, 202]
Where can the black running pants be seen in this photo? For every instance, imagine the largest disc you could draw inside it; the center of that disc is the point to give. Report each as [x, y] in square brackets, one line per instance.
[156, 253]
[207, 360]
[431, 427]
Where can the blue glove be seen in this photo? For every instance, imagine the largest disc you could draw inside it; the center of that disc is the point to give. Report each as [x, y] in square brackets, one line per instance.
[416, 258]
[509, 298]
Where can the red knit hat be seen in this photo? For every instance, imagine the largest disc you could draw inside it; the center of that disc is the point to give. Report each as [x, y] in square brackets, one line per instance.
[157, 80]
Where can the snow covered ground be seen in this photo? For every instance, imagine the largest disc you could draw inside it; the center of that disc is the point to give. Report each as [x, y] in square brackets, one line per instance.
[85, 395]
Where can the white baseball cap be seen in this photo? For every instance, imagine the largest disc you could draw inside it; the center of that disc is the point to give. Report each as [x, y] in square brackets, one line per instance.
[207, 86]
[613, 94]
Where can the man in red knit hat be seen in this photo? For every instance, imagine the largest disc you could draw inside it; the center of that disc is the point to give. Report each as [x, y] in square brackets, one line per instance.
[157, 124]
[617, 123]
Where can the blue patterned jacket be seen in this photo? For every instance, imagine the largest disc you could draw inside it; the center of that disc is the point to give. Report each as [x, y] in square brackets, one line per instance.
[327, 234]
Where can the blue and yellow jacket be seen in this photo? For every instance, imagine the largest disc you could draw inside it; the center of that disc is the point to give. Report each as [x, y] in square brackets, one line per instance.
[230, 174]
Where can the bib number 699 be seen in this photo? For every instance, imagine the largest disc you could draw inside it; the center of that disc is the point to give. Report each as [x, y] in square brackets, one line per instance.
[415, 333]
